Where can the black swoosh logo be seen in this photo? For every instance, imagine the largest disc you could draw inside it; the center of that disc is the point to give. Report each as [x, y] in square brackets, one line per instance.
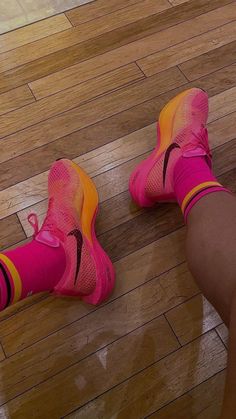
[79, 239]
[166, 160]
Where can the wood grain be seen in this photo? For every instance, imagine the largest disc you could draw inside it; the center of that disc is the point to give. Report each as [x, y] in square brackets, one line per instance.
[177, 2]
[102, 159]
[16, 98]
[209, 62]
[18, 13]
[96, 9]
[121, 124]
[156, 347]
[192, 319]
[108, 183]
[2, 355]
[74, 36]
[106, 53]
[68, 99]
[223, 332]
[189, 49]
[174, 287]
[148, 390]
[83, 342]
[156, 33]
[116, 352]
[81, 116]
[10, 231]
[88, 335]
[33, 32]
[203, 402]
[222, 104]
[119, 209]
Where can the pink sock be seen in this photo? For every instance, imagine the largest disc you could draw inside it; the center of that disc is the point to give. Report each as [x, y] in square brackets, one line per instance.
[193, 179]
[29, 269]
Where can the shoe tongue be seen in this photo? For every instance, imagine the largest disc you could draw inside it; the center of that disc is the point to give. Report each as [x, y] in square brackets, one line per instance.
[47, 238]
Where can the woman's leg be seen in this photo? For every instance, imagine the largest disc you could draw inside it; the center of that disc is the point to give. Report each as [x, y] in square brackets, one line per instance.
[211, 254]
[180, 169]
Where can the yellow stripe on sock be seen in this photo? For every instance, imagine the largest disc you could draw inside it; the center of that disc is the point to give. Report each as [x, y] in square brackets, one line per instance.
[195, 190]
[15, 277]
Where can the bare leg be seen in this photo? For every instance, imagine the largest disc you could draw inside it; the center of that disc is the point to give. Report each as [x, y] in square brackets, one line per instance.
[211, 253]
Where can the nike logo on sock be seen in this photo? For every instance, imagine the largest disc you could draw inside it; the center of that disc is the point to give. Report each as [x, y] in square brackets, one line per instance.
[79, 239]
[167, 158]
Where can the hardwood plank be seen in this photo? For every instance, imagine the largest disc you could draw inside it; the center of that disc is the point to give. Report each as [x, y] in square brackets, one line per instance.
[108, 183]
[76, 73]
[75, 144]
[193, 318]
[228, 179]
[74, 36]
[119, 210]
[10, 231]
[174, 287]
[203, 402]
[161, 345]
[224, 159]
[157, 222]
[223, 332]
[177, 54]
[69, 99]
[81, 116]
[129, 236]
[209, 62]
[222, 104]
[146, 391]
[15, 98]
[96, 9]
[34, 190]
[97, 52]
[33, 32]
[82, 345]
[177, 2]
[100, 133]
[19, 13]
[100, 160]
[22, 304]
[2, 355]
[221, 130]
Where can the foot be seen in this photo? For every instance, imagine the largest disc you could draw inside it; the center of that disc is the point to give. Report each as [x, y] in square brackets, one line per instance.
[181, 132]
[70, 220]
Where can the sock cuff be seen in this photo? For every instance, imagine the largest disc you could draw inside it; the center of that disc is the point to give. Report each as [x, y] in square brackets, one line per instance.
[14, 277]
[200, 195]
[196, 190]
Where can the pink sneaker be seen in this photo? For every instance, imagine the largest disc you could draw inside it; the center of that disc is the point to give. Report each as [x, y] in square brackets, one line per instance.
[180, 131]
[70, 220]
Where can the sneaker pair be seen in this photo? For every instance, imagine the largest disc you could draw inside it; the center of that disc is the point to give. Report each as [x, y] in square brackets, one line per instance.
[73, 198]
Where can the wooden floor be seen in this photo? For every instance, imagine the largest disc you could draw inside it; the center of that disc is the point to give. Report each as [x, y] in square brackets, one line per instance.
[88, 85]
[17, 13]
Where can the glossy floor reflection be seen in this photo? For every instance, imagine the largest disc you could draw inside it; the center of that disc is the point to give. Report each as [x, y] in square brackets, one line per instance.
[17, 13]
